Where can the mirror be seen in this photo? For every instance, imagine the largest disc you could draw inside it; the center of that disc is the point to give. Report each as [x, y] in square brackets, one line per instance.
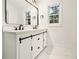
[20, 12]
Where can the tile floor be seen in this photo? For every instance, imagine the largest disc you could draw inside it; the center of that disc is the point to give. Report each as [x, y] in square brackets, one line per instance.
[55, 53]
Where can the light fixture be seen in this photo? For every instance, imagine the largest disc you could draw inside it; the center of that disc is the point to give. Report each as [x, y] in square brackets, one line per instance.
[34, 1]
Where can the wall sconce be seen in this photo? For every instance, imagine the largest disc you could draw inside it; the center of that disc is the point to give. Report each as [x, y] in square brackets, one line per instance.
[34, 17]
[41, 16]
[34, 1]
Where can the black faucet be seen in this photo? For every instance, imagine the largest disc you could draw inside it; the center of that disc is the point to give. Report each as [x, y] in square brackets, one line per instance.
[21, 27]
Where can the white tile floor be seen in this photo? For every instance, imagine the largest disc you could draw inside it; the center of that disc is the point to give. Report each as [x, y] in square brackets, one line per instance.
[55, 53]
[59, 48]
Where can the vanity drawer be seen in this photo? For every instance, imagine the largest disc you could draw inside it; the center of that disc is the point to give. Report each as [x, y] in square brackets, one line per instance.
[37, 43]
[22, 35]
[40, 40]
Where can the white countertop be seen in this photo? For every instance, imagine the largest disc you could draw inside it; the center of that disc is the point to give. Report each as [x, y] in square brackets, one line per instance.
[28, 30]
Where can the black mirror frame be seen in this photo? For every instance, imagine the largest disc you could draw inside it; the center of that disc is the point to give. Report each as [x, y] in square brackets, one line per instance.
[6, 11]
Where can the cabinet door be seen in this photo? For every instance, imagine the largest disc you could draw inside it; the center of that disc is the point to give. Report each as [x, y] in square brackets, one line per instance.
[44, 39]
[34, 47]
[25, 49]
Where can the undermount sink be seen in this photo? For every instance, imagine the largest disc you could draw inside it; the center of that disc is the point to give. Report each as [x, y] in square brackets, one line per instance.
[28, 30]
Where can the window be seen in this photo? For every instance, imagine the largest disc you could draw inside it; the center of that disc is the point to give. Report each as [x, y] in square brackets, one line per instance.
[54, 12]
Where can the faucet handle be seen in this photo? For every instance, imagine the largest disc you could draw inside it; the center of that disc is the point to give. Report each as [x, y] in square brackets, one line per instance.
[15, 28]
[35, 27]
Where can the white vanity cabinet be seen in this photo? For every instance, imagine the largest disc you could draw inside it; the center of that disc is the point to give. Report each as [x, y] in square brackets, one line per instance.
[23, 45]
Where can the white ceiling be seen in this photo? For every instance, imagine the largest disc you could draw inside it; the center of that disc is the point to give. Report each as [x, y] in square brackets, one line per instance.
[18, 3]
[23, 4]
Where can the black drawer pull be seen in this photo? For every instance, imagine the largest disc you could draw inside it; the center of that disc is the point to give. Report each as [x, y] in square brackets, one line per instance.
[38, 48]
[31, 48]
[43, 39]
[38, 38]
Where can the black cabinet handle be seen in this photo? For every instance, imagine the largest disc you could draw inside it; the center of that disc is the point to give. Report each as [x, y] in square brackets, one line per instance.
[38, 48]
[31, 48]
[20, 40]
[43, 39]
[38, 38]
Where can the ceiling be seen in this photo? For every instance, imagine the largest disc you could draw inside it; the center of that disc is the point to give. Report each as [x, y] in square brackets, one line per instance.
[18, 3]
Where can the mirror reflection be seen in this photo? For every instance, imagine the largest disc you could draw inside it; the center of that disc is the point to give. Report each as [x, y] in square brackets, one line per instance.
[20, 12]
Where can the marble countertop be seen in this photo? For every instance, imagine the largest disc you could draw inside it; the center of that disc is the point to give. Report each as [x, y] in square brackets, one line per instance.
[28, 30]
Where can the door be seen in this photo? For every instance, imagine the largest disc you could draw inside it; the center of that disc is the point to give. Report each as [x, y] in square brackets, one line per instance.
[25, 49]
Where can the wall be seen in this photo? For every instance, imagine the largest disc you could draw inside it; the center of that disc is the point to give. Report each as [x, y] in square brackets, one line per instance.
[64, 36]
[12, 14]
[43, 10]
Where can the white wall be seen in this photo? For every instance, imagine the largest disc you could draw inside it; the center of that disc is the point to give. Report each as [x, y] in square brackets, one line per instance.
[12, 14]
[43, 10]
[64, 36]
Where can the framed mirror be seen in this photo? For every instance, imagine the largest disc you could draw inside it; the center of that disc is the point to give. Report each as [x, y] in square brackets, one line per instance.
[20, 12]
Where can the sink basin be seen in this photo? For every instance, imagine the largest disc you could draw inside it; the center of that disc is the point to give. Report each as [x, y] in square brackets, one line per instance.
[28, 30]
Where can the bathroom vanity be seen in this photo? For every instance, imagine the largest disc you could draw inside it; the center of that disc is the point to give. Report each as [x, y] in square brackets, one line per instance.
[23, 44]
